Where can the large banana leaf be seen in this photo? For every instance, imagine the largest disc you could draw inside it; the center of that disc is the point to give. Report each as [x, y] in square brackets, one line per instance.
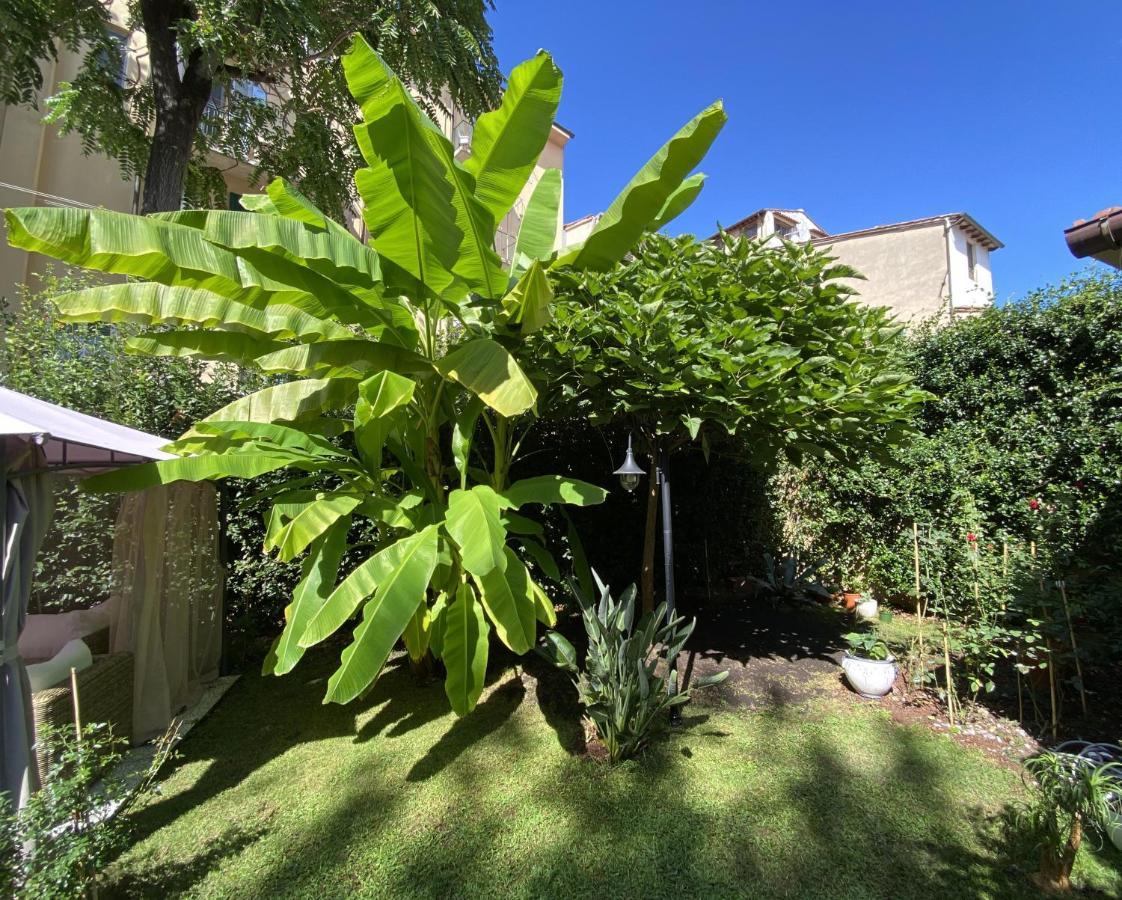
[641, 202]
[221, 346]
[334, 253]
[418, 202]
[401, 589]
[474, 524]
[318, 574]
[508, 596]
[537, 234]
[678, 202]
[507, 141]
[293, 536]
[463, 647]
[149, 303]
[354, 357]
[249, 464]
[488, 370]
[289, 402]
[205, 435]
[546, 489]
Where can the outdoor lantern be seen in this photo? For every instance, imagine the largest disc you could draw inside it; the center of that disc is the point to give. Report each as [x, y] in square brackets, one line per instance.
[629, 473]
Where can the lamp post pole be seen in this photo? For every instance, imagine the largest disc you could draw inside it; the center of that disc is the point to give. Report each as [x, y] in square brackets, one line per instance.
[629, 474]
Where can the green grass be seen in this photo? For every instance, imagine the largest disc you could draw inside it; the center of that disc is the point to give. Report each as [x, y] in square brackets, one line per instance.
[278, 796]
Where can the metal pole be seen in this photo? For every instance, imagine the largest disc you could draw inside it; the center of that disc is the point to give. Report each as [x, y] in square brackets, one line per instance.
[668, 569]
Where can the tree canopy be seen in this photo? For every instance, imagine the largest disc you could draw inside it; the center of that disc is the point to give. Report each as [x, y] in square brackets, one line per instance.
[702, 341]
[212, 65]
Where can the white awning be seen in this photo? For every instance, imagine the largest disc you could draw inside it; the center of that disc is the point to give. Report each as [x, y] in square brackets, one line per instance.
[72, 439]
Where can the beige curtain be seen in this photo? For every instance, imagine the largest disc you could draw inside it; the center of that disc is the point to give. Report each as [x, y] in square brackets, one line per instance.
[167, 598]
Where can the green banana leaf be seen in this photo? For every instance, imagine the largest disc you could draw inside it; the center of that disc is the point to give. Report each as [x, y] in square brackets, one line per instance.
[293, 536]
[419, 203]
[528, 302]
[507, 142]
[473, 522]
[354, 357]
[463, 650]
[249, 464]
[537, 233]
[641, 202]
[508, 597]
[488, 370]
[401, 589]
[678, 202]
[317, 576]
[150, 303]
[289, 402]
[547, 489]
[221, 346]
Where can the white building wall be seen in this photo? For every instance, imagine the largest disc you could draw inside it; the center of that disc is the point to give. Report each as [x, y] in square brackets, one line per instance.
[967, 292]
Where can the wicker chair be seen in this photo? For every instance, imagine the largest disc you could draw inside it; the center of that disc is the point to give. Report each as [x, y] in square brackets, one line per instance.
[105, 692]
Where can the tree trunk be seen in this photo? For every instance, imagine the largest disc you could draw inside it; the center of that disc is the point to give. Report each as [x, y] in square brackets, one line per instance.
[647, 575]
[1055, 870]
[179, 104]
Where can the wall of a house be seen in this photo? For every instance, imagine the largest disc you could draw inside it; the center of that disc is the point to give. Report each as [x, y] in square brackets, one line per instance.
[905, 271]
[966, 292]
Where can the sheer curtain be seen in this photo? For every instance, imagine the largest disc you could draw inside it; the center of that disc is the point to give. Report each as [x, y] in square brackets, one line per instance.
[167, 598]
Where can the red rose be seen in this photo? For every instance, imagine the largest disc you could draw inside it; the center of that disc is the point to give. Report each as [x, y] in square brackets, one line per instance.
[1034, 504]
[970, 537]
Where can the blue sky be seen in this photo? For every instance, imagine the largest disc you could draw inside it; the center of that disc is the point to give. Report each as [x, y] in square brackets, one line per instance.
[862, 113]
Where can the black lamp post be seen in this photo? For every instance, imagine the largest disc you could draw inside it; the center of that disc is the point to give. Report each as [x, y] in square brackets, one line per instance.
[629, 475]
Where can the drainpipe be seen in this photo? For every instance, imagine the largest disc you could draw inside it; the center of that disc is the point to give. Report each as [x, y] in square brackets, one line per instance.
[947, 241]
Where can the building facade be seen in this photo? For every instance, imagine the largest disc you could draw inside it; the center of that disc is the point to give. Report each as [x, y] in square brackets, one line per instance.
[932, 268]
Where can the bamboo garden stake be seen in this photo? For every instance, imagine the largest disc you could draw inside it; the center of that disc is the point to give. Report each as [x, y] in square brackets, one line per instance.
[1074, 649]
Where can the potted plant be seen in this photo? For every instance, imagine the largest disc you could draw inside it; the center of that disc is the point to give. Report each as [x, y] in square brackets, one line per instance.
[866, 608]
[1070, 795]
[869, 668]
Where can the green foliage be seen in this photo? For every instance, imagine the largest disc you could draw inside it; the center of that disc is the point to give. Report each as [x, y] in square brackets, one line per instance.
[689, 340]
[867, 644]
[619, 687]
[379, 355]
[59, 843]
[1019, 452]
[291, 51]
[789, 579]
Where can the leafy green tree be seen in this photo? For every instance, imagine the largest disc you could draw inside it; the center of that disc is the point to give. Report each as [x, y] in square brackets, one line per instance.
[693, 341]
[161, 127]
[416, 338]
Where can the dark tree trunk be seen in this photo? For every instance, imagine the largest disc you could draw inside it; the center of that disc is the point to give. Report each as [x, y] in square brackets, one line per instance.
[179, 104]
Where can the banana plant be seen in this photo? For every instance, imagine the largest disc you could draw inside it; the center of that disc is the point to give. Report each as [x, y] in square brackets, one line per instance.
[389, 359]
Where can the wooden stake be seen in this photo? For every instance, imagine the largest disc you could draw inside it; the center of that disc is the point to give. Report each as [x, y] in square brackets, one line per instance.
[947, 663]
[1074, 649]
[919, 606]
[77, 705]
[1048, 647]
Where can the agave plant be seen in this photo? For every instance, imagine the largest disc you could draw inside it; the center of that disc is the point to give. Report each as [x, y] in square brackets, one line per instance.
[620, 687]
[388, 359]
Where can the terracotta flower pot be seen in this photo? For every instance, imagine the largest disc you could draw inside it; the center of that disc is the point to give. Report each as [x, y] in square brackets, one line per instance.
[851, 598]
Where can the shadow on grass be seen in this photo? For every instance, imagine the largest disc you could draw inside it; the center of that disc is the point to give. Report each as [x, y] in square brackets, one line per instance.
[836, 802]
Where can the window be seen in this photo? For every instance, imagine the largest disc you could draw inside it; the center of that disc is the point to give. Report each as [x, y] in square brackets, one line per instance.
[251, 90]
[116, 62]
[972, 260]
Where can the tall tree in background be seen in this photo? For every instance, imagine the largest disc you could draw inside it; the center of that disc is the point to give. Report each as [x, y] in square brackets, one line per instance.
[163, 126]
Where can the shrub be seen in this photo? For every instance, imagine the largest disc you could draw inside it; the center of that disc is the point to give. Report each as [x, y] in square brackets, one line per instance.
[620, 688]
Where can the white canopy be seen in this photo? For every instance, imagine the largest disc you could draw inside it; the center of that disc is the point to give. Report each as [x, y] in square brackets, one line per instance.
[73, 440]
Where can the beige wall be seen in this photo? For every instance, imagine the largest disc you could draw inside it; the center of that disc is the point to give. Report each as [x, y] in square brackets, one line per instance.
[905, 270]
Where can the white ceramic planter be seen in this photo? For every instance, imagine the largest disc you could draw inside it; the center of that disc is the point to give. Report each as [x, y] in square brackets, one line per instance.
[871, 678]
[867, 609]
[1115, 830]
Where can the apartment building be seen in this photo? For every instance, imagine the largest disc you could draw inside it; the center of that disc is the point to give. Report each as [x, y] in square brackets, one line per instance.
[938, 266]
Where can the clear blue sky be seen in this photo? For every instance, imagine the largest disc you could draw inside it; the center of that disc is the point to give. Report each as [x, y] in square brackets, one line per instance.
[862, 113]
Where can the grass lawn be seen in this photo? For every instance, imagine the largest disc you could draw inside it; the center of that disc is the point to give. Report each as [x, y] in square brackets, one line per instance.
[278, 796]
